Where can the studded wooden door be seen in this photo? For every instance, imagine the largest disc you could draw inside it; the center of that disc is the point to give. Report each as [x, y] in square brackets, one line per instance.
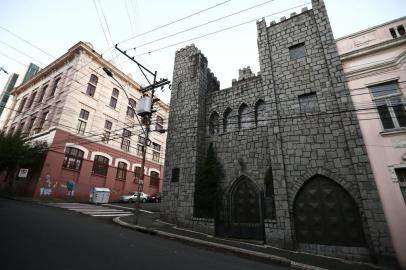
[325, 213]
[241, 216]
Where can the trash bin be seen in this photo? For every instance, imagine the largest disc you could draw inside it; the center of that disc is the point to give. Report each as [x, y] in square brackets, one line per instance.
[99, 195]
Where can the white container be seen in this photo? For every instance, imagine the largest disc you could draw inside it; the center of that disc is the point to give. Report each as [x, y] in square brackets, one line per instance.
[99, 195]
[144, 105]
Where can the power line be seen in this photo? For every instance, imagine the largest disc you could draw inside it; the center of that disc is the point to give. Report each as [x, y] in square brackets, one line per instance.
[175, 21]
[206, 23]
[23, 53]
[17, 36]
[218, 31]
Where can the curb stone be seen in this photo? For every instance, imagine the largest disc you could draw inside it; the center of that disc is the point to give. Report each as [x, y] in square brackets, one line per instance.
[264, 256]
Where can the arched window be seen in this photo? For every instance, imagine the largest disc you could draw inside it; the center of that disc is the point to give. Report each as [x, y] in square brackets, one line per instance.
[227, 120]
[100, 165]
[73, 158]
[91, 86]
[260, 113]
[214, 124]
[243, 117]
[121, 170]
[180, 90]
[131, 108]
[154, 179]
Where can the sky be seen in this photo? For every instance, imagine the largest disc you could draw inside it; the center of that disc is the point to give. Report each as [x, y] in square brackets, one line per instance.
[152, 27]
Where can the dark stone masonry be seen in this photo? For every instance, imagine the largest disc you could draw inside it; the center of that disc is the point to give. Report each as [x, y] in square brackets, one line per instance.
[297, 172]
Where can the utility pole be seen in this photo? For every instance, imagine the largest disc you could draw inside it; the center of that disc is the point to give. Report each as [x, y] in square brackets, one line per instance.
[146, 119]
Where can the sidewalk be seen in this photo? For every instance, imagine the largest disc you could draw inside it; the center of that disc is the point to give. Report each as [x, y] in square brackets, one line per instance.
[150, 223]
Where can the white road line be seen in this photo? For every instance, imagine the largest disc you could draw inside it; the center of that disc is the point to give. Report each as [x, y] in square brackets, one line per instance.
[128, 208]
[99, 211]
[109, 215]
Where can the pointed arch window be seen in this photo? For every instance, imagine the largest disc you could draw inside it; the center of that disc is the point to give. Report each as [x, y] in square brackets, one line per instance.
[243, 117]
[260, 113]
[227, 120]
[214, 127]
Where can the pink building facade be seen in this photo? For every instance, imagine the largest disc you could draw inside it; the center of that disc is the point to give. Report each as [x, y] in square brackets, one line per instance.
[89, 123]
[374, 61]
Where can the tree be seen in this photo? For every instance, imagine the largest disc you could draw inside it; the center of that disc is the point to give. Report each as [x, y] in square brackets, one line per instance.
[16, 151]
[207, 188]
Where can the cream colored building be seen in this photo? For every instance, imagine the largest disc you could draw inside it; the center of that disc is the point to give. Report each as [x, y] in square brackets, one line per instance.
[73, 104]
[374, 61]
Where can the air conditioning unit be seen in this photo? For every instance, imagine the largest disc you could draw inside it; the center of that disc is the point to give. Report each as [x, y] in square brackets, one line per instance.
[144, 106]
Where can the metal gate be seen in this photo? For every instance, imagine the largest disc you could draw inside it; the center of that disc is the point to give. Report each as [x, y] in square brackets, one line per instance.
[240, 212]
[325, 213]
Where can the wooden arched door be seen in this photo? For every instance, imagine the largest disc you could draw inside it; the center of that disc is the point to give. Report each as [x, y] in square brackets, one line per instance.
[325, 213]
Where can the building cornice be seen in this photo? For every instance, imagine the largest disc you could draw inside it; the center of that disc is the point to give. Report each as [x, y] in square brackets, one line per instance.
[373, 48]
[70, 55]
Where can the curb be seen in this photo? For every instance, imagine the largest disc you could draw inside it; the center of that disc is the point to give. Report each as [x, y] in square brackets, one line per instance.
[260, 255]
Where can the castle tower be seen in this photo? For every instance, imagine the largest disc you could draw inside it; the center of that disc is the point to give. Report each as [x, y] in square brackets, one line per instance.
[191, 81]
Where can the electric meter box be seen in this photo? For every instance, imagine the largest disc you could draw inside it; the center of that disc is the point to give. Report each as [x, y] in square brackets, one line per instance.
[144, 106]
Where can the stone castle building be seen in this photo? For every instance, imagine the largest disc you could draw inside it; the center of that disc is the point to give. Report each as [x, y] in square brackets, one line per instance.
[296, 171]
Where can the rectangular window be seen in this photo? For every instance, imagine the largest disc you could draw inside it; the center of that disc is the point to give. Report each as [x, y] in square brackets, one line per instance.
[401, 174]
[155, 156]
[42, 94]
[389, 104]
[81, 127]
[108, 124]
[297, 51]
[175, 175]
[155, 152]
[42, 121]
[106, 136]
[30, 125]
[140, 148]
[308, 103]
[84, 114]
[20, 128]
[141, 139]
[22, 104]
[159, 126]
[114, 97]
[121, 171]
[125, 143]
[32, 98]
[54, 87]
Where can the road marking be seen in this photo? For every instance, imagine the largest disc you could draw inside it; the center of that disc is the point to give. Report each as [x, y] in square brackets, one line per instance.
[111, 215]
[92, 210]
[128, 208]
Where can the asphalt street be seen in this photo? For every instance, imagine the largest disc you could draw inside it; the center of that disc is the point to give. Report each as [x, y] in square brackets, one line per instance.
[35, 236]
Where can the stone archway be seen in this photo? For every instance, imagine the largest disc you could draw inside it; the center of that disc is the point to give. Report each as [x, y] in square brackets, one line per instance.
[325, 213]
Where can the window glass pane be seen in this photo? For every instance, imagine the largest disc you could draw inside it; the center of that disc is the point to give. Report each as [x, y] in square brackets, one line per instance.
[401, 174]
[84, 114]
[113, 102]
[93, 79]
[115, 93]
[384, 114]
[399, 110]
[384, 89]
[108, 124]
[297, 51]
